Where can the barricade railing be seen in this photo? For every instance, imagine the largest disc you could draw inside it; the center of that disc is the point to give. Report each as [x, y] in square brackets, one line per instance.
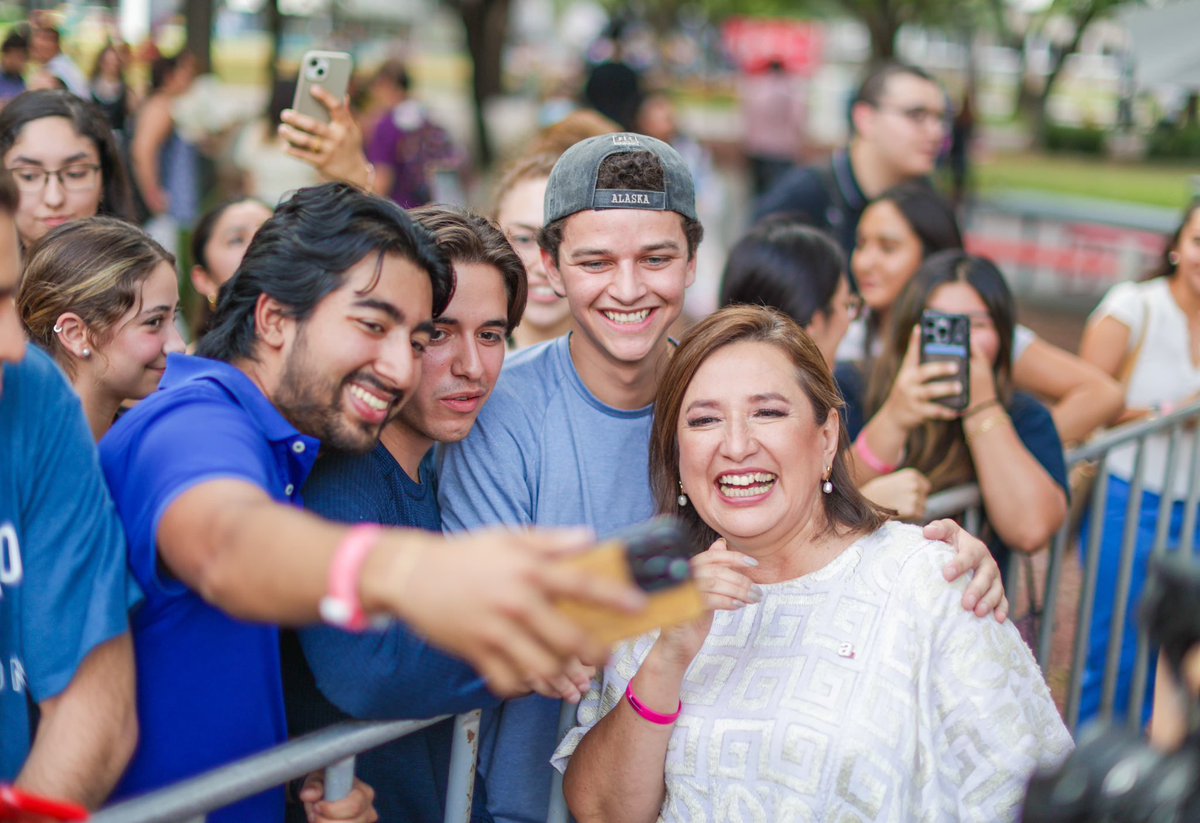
[964, 503]
[335, 748]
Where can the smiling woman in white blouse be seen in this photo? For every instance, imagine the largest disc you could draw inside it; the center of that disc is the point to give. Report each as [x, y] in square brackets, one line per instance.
[836, 676]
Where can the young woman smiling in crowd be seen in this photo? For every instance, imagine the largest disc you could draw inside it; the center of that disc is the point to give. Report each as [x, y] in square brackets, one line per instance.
[101, 297]
[64, 159]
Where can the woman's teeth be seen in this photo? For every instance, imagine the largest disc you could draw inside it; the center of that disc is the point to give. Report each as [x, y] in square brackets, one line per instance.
[746, 485]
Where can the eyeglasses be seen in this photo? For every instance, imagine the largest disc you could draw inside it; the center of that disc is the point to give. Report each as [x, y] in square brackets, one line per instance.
[75, 177]
[854, 306]
[919, 115]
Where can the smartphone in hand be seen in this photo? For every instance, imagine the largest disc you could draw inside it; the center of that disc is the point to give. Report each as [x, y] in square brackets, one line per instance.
[331, 70]
[654, 556]
[946, 338]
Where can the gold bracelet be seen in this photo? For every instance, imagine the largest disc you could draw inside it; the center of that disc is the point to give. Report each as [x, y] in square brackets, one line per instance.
[986, 426]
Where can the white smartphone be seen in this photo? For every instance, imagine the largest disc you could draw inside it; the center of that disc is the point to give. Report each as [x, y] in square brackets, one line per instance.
[331, 70]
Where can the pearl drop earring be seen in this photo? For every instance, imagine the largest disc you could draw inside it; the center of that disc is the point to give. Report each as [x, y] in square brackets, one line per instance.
[827, 486]
[682, 500]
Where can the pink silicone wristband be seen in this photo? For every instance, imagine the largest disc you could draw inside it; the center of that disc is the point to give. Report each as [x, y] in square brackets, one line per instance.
[650, 714]
[873, 462]
[341, 606]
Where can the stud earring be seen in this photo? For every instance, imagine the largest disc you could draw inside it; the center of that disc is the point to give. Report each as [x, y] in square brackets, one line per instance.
[86, 353]
[682, 499]
[1173, 258]
[827, 486]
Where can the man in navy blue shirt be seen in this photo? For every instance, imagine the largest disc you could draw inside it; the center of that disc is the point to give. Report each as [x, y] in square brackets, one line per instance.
[898, 124]
[315, 341]
[67, 721]
[395, 674]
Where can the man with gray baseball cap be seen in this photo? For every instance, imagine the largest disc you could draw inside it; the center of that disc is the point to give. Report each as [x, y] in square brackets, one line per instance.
[565, 437]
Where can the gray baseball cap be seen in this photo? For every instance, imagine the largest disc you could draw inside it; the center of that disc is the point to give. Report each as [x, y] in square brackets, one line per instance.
[572, 184]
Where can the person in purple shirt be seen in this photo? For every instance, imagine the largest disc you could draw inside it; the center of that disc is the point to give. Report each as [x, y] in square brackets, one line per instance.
[406, 146]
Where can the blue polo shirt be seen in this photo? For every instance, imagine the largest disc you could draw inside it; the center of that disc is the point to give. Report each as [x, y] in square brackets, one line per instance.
[209, 689]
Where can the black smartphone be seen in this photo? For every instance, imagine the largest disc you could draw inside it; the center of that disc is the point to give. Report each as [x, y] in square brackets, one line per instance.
[654, 556]
[946, 338]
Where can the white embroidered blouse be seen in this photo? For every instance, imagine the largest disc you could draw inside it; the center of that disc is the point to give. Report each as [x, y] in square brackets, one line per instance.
[860, 692]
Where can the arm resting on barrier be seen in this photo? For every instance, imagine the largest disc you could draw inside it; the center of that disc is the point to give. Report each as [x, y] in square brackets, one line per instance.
[88, 732]
[1083, 396]
[1025, 503]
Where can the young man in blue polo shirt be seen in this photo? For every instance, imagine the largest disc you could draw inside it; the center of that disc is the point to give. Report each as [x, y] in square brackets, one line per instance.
[67, 719]
[565, 437]
[315, 341]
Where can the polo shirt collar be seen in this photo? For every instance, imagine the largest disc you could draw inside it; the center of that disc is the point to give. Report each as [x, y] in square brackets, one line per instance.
[847, 183]
[185, 368]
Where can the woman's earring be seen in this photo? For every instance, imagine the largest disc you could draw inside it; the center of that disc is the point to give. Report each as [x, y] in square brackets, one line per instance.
[1173, 258]
[682, 499]
[827, 486]
[86, 352]
[212, 301]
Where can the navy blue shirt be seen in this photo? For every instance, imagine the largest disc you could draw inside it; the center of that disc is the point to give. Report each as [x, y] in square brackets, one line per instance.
[1031, 421]
[64, 584]
[385, 675]
[825, 196]
[209, 686]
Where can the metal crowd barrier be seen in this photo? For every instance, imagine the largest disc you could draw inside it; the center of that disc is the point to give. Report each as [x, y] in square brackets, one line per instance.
[335, 747]
[964, 503]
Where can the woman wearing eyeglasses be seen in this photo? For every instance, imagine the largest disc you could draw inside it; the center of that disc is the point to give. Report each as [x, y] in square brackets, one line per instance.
[64, 159]
[801, 271]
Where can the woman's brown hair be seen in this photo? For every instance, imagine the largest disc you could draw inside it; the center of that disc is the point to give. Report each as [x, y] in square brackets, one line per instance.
[846, 510]
[92, 267]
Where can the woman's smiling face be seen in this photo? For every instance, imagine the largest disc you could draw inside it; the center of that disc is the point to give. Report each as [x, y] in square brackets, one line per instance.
[751, 454]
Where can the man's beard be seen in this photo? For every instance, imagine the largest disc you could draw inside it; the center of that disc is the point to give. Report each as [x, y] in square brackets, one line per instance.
[314, 406]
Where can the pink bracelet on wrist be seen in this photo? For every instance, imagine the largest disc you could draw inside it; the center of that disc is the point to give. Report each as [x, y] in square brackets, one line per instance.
[341, 606]
[874, 463]
[649, 714]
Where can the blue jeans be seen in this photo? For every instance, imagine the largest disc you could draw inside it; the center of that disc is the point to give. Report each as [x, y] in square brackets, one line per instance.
[1106, 589]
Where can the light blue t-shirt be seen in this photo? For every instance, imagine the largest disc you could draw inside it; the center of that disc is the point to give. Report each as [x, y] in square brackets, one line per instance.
[65, 587]
[543, 452]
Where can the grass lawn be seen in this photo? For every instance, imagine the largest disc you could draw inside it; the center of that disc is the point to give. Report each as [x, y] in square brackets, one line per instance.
[1154, 184]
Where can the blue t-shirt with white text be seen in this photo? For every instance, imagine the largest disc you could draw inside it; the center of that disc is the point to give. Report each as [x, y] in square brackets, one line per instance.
[64, 584]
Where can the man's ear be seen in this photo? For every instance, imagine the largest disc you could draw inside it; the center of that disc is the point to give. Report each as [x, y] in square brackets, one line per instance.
[73, 334]
[272, 326]
[862, 118]
[553, 274]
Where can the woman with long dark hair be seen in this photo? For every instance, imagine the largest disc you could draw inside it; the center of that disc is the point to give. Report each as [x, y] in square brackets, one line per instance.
[65, 161]
[1147, 335]
[1004, 440]
[897, 232]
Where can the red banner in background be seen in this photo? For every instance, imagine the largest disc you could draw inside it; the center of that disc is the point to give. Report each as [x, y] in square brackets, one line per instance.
[755, 43]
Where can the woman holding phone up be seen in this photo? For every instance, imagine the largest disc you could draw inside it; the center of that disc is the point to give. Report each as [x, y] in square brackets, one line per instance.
[1003, 440]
